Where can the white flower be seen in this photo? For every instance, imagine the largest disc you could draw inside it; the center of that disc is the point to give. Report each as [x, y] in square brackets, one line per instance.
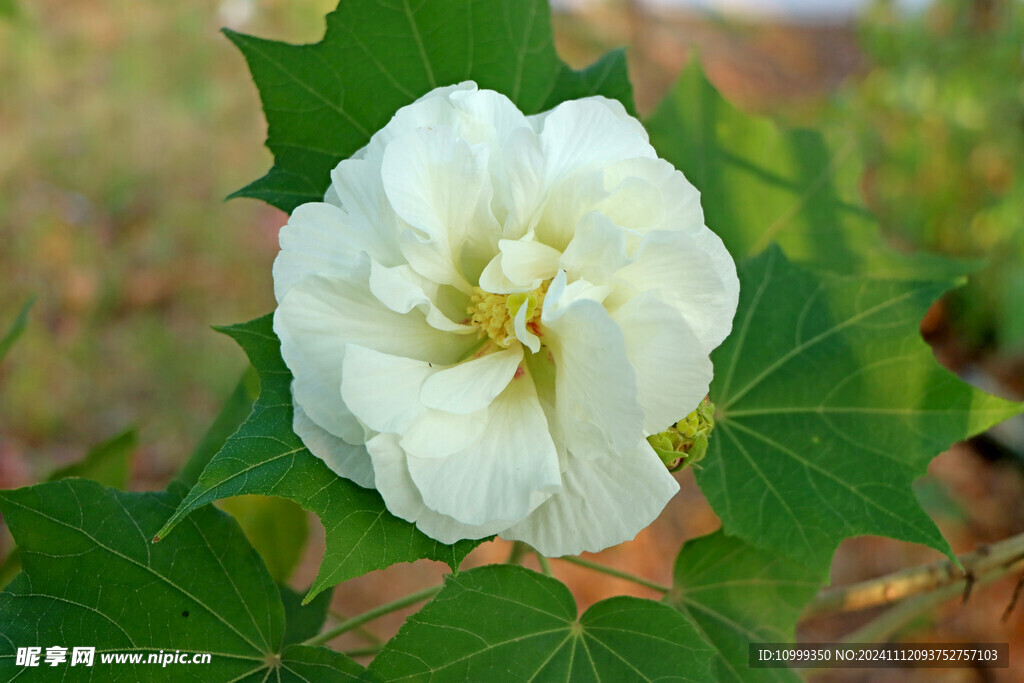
[489, 313]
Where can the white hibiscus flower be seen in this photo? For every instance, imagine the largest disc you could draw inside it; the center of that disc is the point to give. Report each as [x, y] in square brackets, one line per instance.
[489, 313]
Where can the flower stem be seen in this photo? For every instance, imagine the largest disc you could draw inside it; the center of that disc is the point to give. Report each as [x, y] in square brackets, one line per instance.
[372, 614]
[363, 632]
[611, 571]
[519, 550]
[545, 566]
[363, 651]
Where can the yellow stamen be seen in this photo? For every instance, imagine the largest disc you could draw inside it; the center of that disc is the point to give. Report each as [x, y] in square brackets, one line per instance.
[495, 314]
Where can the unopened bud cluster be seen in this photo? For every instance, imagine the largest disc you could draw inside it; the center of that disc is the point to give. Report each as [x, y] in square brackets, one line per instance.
[685, 442]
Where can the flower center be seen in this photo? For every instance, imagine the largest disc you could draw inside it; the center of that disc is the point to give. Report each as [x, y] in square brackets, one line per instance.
[495, 314]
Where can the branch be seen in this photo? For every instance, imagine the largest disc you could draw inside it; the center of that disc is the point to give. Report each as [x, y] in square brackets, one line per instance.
[892, 620]
[998, 558]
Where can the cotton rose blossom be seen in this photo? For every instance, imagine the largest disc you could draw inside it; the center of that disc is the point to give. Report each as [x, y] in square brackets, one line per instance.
[489, 312]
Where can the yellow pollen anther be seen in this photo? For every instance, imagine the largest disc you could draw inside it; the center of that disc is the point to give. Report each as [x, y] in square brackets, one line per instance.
[495, 314]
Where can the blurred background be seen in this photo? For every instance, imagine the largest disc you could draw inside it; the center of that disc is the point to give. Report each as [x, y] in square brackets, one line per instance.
[123, 125]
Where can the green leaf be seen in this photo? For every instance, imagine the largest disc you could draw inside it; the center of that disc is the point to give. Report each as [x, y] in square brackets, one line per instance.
[276, 528]
[303, 621]
[266, 457]
[93, 578]
[324, 101]
[231, 416]
[760, 184]
[737, 595]
[106, 463]
[506, 623]
[828, 405]
[17, 328]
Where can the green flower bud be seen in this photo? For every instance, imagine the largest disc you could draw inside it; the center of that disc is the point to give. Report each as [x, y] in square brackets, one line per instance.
[685, 442]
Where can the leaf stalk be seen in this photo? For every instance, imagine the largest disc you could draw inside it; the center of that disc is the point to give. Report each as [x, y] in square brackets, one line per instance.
[370, 615]
[617, 573]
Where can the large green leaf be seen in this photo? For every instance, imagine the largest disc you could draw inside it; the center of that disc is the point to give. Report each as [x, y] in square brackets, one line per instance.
[324, 101]
[829, 404]
[92, 578]
[506, 623]
[739, 595]
[760, 183]
[266, 457]
[106, 463]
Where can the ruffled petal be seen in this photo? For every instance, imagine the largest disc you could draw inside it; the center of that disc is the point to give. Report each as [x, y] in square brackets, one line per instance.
[431, 109]
[527, 261]
[360, 190]
[650, 194]
[518, 183]
[581, 134]
[403, 498]
[319, 316]
[672, 368]
[440, 185]
[351, 462]
[597, 250]
[604, 501]
[692, 272]
[497, 477]
[319, 239]
[402, 289]
[565, 203]
[383, 391]
[520, 266]
[595, 386]
[471, 386]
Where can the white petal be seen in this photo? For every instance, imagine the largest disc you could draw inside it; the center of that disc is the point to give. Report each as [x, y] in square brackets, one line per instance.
[596, 393]
[650, 194]
[561, 295]
[497, 477]
[494, 280]
[383, 391]
[472, 385]
[333, 312]
[604, 501]
[672, 367]
[486, 116]
[319, 316]
[351, 462]
[692, 272]
[434, 108]
[440, 186]
[360, 189]
[596, 251]
[518, 182]
[527, 261]
[402, 289]
[403, 499]
[524, 334]
[319, 239]
[566, 203]
[578, 134]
